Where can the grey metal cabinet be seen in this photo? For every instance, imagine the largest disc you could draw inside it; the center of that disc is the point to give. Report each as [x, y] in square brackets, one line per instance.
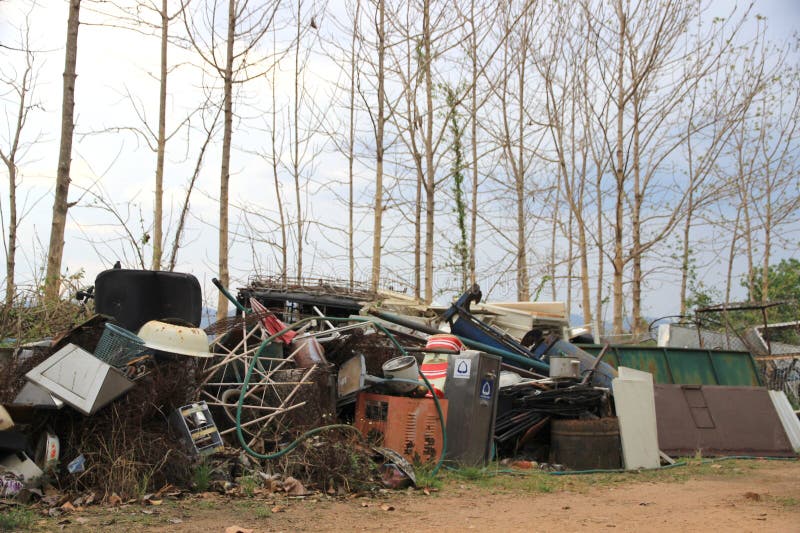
[471, 391]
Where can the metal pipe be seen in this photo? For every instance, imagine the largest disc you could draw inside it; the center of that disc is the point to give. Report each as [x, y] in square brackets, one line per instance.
[509, 357]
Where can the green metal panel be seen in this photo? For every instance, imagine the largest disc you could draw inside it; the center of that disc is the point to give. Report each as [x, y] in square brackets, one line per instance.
[691, 367]
[685, 366]
[645, 359]
[732, 370]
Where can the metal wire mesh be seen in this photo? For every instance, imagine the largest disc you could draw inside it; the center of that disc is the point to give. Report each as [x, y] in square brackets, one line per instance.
[118, 346]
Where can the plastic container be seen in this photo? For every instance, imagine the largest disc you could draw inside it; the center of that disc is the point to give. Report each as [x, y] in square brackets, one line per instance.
[118, 346]
[445, 342]
[403, 367]
[171, 338]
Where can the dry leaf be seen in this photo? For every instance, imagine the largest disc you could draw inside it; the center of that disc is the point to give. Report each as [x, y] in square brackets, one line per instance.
[293, 487]
[150, 501]
[426, 492]
[175, 521]
[237, 529]
[364, 504]
[387, 507]
[278, 509]
[68, 508]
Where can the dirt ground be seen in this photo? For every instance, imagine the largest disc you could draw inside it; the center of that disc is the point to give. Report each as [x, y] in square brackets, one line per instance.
[752, 495]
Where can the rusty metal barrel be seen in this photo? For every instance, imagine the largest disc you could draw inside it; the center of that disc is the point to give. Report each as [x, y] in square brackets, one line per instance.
[586, 444]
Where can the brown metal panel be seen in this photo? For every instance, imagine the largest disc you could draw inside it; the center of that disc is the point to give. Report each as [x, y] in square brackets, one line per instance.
[718, 420]
[409, 426]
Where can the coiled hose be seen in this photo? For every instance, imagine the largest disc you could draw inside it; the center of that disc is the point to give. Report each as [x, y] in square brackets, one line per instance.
[312, 432]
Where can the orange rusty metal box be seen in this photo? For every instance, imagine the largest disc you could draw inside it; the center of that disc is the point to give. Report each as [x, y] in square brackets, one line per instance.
[409, 426]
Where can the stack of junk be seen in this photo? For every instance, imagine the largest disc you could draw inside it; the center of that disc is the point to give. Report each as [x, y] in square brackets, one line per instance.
[415, 386]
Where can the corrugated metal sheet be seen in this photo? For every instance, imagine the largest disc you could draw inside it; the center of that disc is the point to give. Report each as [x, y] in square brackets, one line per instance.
[685, 366]
[719, 421]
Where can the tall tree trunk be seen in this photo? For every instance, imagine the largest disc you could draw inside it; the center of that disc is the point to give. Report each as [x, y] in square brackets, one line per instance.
[600, 255]
[55, 251]
[523, 280]
[377, 237]
[296, 158]
[618, 262]
[225, 173]
[158, 219]
[473, 110]
[430, 185]
[276, 181]
[9, 158]
[732, 256]
[351, 258]
[12, 233]
[636, 252]
[687, 223]
[767, 236]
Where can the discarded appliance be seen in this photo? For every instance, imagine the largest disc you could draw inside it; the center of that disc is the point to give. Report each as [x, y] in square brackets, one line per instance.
[134, 297]
[716, 420]
[410, 426]
[635, 404]
[174, 339]
[471, 390]
[196, 429]
[80, 379]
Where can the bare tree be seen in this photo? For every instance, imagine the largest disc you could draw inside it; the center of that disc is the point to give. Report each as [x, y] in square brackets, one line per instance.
[244, 26]
[55, 250]
[19, 87]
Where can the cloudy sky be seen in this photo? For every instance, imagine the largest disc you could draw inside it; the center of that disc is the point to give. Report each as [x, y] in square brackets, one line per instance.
[115, 87]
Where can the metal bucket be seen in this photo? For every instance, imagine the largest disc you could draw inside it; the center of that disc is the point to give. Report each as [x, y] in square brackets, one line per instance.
[403, 367]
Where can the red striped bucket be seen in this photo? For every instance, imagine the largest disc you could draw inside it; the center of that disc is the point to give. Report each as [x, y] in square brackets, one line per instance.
[434, 368]
[445, 342]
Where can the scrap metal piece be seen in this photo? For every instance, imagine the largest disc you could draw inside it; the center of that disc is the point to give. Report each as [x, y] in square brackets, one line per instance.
[718, 420]
[80, 379]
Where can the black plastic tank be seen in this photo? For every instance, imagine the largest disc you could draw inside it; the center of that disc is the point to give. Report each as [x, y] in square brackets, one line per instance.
[134, 297]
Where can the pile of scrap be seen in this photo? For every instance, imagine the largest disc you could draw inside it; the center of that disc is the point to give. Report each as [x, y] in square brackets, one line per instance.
[140, 395]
